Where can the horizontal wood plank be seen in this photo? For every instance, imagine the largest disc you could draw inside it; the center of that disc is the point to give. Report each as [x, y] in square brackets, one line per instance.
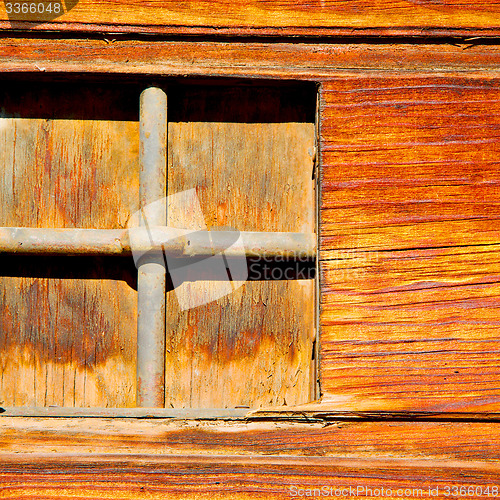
[139, 459]
[310, 61]
[105, 436]
[230, 477]
[270, 17]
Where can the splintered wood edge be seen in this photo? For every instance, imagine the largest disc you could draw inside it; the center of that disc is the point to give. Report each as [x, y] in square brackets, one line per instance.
[157, 438]
[331, 412]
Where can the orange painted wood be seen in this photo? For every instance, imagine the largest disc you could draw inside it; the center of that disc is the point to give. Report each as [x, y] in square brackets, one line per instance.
[269, 17]
[233, 477]
[409, 243]
[463, 441]
[109, 458]
[304, 61]
[409, 260]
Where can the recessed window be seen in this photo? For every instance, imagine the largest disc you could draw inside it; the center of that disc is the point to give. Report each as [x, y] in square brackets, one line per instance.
[240, 160]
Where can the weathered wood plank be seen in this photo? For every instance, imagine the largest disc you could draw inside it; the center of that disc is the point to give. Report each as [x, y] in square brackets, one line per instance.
[194, 477]
[312, 61]
[127, 437]
[68, 158]
[111, 458]
[249, 153]
[270, 17]
[410, 239]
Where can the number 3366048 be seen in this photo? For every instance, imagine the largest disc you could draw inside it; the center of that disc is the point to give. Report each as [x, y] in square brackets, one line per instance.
[34, 8]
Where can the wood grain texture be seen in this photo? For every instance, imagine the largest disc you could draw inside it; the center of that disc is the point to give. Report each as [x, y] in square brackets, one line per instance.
[306, 61]
[249, 152]
[410, 235]
[111, 458]
[231, 477]
[388, 141]
[274, 17]
[159, 437]
[68, 157]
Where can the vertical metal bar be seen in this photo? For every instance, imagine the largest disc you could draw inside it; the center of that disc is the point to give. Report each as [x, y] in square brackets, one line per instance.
[151, 268]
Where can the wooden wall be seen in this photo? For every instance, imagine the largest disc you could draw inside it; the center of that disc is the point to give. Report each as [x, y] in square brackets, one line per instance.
[410, 243]
[409, 265]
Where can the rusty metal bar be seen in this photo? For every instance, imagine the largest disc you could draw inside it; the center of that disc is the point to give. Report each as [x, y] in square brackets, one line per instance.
[151, 285]
[162, 240]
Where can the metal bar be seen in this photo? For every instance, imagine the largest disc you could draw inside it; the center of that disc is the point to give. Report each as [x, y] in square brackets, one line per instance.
[171, 413]
[151, 284]
[21, 240]
[158, 239]
[253, 244]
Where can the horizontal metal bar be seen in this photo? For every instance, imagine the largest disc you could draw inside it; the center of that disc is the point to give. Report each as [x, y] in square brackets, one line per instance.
[20, 240]
[177, 413]
[170, 241]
